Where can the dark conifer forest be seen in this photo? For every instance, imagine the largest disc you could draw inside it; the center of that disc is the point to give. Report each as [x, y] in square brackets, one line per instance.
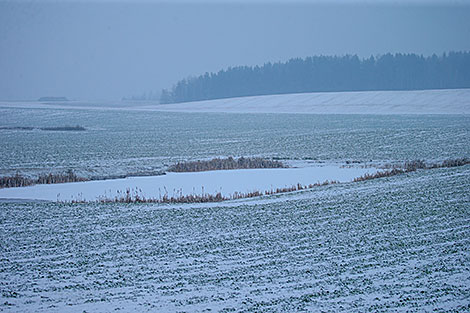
[328, 73]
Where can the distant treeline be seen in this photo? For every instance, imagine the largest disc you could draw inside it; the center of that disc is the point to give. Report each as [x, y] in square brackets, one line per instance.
[53, 99]
[328, 73]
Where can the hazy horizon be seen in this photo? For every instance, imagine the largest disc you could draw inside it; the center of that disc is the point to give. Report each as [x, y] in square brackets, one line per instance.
[109, 50]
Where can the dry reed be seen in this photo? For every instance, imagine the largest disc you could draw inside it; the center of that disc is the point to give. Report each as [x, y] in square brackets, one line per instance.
[225, 164]
[21, 181]
[136, 195]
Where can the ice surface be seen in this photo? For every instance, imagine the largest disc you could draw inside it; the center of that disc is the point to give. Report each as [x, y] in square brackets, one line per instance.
[227, 182]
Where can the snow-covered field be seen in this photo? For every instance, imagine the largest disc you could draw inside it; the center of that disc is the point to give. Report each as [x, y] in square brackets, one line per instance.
[391, 244]
[394, 244]
[446, 101]
[226, 182]
[361, 102]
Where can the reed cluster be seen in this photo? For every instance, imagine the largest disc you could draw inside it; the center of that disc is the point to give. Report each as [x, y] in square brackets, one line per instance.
[420, 164]
[380, 174]
[21, 181]
[65, 128]
[15, 181]
[136, 195]
[455, 162]
[59, 128]
[412, 166]
[225, 164]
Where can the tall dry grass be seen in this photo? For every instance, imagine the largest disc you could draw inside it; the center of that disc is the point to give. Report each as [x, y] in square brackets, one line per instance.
[412, 166]
[21, 181]
[225, 164]
[136, 195]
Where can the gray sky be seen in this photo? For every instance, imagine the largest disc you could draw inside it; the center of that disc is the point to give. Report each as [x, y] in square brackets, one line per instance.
[108, 49]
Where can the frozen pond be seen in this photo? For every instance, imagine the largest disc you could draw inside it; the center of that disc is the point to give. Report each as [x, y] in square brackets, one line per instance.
[227, 182]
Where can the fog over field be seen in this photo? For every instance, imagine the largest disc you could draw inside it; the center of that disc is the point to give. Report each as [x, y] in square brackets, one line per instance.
[234, 156]
[91, 50]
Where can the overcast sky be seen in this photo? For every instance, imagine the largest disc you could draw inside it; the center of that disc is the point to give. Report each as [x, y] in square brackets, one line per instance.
[108, 49]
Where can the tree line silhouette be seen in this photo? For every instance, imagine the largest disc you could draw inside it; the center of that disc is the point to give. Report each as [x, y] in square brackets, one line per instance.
[328, 73]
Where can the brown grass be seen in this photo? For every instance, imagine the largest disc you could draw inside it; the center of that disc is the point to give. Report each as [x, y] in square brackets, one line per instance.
[225, 164]
[412, 166]
[136, 195]
[380, 174]
[21, 181]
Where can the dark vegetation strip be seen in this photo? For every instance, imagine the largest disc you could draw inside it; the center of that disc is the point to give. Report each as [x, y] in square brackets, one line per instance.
[53, 99]
[16, 128]
[65, 128]
[225, 164]
[68, 177]
[381, 174]
[412, 166]
[20, 181]
[59, 128]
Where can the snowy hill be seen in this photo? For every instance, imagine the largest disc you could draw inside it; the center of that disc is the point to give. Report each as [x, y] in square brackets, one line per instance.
[449, 101]
[445, 101]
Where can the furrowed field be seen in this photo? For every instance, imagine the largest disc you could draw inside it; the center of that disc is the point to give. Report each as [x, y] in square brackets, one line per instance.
[397, 243]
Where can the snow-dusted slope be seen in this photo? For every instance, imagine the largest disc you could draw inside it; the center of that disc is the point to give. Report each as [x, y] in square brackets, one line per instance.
[446, 101]
[455, 101]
